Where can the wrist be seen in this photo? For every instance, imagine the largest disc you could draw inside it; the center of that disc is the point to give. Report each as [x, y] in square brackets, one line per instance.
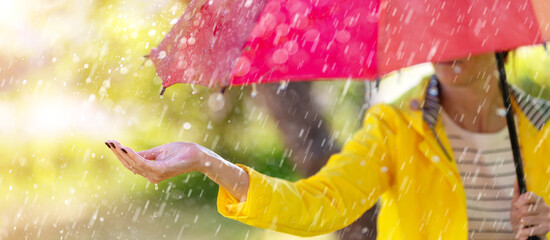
[207, 163]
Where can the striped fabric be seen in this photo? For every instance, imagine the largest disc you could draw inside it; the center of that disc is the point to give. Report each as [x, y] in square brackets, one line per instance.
[536, 109]
[486, 168]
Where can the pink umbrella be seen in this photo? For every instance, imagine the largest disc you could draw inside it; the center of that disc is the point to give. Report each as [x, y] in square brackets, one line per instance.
[226, 42]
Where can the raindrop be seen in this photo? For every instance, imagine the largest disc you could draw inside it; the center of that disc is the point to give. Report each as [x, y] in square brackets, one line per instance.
[283, 85]
[162, 54]
[191, 41]
[501, 112]
[86, 66]
[152, 32]
[280, 56]
[457, 69]
[291, 47]
[174, 21]
[123, 70]
[242, 66]
[283, 29]
[189, 73]
[187, 126]
[254, 92]
[312, 35]
[342, 36]
[216, 101]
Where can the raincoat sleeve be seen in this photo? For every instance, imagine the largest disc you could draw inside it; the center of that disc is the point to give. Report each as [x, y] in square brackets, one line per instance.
[348, 185]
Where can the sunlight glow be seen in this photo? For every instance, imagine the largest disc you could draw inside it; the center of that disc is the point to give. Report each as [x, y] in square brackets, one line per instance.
[50, 117]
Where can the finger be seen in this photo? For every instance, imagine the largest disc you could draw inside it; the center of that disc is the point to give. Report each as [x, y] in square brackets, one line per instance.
[516, 192]
[539, 230]
[528, 198]
[142, 166]
[533, 210]
[534, 220]
[117, 150]
[150, 169]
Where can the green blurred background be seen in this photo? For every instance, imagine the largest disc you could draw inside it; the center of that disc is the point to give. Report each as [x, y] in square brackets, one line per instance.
[72, 75]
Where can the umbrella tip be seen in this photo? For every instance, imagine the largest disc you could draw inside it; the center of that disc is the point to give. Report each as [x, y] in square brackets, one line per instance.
[162, 91]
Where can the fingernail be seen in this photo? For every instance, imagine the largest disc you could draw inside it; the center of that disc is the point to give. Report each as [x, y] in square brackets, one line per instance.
[109, 146]
[124, 150]
[113, 145]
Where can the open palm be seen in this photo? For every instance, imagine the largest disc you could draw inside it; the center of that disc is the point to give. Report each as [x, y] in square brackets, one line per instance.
[159, 163]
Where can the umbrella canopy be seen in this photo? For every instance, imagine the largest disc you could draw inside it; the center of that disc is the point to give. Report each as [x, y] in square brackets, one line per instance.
[226, 42]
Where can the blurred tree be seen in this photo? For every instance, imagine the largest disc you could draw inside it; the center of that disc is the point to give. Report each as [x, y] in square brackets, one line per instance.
[307, 136]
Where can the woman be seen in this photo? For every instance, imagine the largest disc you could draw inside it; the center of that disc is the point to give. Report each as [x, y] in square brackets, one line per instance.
[439, 158]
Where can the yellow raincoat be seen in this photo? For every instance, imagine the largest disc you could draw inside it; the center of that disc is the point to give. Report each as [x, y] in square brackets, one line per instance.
[401, 155]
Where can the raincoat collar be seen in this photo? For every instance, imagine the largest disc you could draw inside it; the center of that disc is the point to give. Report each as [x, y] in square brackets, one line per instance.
[535, 109]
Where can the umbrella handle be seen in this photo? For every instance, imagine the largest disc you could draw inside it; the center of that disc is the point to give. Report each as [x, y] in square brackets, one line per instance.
[511, 126]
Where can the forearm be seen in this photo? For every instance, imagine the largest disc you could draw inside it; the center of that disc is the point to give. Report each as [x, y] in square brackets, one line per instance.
[226, 174]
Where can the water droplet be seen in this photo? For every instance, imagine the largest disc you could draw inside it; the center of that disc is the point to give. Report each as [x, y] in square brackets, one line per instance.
[457, 69]
[216, 101]
[189, 73]
[162, 54]
[291, 47]
[342, 36]
[254, 92]
[312, 35]
[123, 70]
[187, 125]
[152, 32]
[191, 41]
[501, 112]
[280, 56]
[283, 85]
[242, 66]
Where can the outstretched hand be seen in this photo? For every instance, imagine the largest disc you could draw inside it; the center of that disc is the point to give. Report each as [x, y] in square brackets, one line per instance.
[159, 163]
[169, 160]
